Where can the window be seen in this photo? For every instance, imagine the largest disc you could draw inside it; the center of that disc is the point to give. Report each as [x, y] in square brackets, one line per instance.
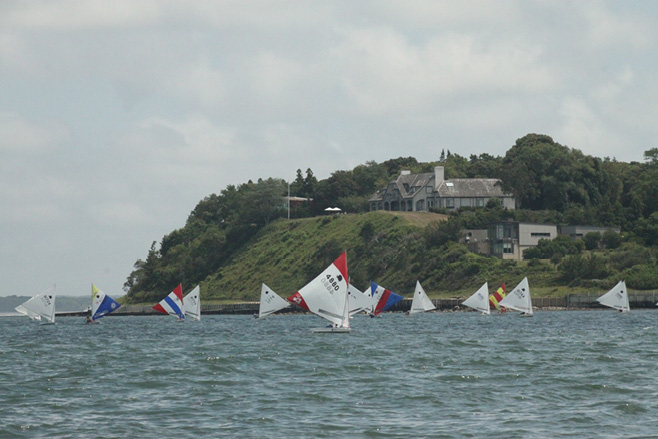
[429, 189]
[507, 247]
[540, 234]
[450, 203]
[479, 202]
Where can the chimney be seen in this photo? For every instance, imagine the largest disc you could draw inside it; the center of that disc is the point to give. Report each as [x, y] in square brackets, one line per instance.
[438, 176]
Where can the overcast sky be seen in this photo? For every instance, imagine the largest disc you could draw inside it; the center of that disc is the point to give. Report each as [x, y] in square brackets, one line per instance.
[117, 117]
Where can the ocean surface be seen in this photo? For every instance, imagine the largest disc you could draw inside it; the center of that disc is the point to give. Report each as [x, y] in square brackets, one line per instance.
[560, 374]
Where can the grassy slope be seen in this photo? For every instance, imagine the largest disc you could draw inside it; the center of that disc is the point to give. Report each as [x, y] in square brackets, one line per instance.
[284, 256]
[281, 254]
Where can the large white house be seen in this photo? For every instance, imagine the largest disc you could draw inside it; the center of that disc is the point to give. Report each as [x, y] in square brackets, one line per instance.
[420, 192]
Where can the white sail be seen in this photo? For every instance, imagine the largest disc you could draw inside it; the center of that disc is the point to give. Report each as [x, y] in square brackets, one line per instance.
[479, 301]
[359, 300]
[192, 304]
[40, 307]
[420, 302]
[326, 295]
[616, 298]
[270, 302]
[519, 299]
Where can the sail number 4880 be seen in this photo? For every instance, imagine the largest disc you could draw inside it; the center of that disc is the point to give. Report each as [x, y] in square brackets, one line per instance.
[330, 283]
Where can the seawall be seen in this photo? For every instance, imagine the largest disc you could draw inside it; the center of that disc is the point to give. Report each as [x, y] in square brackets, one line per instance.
[570, 301]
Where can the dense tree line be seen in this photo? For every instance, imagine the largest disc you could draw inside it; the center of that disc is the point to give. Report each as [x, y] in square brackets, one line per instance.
[552, 183]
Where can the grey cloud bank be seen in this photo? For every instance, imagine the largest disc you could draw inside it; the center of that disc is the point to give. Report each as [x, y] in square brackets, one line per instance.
[117, 118]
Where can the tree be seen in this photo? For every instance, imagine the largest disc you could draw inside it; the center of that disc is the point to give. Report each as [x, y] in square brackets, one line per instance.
[651, 156]
[611, 239]
[592, 240]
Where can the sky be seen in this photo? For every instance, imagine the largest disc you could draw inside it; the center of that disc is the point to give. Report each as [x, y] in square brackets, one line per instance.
[117, 118]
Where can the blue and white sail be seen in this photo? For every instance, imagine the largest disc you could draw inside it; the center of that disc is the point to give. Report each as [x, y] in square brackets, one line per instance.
[101, 303]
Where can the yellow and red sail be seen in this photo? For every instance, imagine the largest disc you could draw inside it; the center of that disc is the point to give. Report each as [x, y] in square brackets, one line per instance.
[495, 298]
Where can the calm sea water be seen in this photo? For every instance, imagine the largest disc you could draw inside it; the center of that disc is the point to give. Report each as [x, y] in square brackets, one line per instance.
[441, 375]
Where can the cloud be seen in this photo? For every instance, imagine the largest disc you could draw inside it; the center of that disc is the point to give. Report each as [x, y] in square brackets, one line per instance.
[21, 136]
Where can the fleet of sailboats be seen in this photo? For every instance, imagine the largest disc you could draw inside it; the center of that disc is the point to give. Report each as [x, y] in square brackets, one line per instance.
[329, 295]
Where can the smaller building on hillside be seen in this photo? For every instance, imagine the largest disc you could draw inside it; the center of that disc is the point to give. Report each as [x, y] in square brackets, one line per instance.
[508, 239]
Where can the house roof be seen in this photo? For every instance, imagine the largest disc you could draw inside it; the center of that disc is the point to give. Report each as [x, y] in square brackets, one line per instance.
[455, 188]
[471, 187]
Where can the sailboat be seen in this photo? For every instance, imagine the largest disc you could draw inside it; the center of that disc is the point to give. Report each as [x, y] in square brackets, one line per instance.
[479, 301]
[40, 307]
[383, 299]
[495, 298]
[101, 304]
[270, 302]
[420, 302]
[326, 296]
[616, 298]
[192, 304]
[519, 299]
[172, 304]
[359, 300]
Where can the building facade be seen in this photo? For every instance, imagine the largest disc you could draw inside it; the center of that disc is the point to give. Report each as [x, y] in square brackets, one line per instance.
[421, 192]
[508, 239]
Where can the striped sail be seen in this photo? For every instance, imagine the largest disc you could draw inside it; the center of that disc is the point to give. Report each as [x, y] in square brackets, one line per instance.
[495, 298]
[172, 304]
[383, 298]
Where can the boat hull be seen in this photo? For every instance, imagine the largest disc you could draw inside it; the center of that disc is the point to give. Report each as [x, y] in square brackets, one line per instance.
[331, 330]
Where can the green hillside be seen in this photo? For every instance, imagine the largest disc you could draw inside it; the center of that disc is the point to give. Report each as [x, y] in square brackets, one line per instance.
[235, 240]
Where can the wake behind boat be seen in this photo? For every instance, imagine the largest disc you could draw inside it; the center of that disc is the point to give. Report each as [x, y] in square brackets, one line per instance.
[327, 297]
